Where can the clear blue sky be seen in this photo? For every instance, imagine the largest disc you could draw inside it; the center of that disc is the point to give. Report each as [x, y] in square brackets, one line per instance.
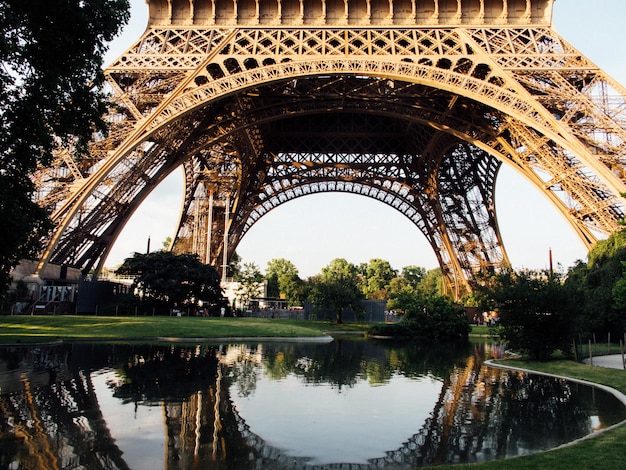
[313, 230]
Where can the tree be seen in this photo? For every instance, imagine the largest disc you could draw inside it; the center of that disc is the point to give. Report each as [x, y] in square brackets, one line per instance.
[414, 281]
[173, 280]
[413, 274]
[337, 288]
[377, 274]
[599, 284]
[427, 317]
[234, 265]
[536, 311]
[283, 281]
[250, 283]
[51, 56]
[401, 294]
[436, 317]
[619, 290]
[431, 282]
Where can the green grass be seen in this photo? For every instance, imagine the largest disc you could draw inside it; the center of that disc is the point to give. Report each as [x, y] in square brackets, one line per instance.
[481, 330]
[19, 328]
[24, 329]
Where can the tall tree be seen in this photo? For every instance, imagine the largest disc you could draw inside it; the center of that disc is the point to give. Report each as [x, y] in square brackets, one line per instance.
[250, 283]
[378, 274]
[51, 56]
[537, 311]
[413, 274]
[283, 280]
[337, 288]
[600, 284]
[431, 282]
[174, 280]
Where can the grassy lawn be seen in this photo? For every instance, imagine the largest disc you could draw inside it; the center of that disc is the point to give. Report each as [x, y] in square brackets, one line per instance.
[25, 329]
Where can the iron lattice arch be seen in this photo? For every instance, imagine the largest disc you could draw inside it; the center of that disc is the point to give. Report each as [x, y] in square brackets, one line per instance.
[414, 103]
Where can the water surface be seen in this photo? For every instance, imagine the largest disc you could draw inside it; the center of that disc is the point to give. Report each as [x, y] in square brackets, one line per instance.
[280, 406]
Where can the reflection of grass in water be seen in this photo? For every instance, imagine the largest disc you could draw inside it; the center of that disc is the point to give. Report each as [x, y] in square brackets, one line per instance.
[29, 328]
[607, 451]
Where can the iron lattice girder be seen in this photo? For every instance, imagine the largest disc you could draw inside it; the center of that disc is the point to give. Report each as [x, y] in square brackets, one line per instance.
[185, 91]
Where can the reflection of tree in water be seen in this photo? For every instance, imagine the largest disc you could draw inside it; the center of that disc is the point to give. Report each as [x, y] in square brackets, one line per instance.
[481, 413]
[53, 420]
[342, 363]
[532, 413]
[157, 374]
[243, 366]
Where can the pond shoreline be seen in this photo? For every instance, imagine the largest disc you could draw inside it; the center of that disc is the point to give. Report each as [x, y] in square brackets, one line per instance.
[616, 393]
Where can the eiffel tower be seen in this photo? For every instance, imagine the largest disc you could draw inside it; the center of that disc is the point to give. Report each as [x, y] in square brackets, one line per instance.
[415, 103]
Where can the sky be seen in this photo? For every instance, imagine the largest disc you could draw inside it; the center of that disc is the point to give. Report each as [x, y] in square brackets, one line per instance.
[313, 230]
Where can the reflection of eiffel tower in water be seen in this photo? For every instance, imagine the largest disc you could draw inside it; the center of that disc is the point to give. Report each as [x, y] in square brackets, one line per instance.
[204, 428]
[415, 103]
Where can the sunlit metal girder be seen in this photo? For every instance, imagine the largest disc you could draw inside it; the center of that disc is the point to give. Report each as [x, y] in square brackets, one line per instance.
[435, 101]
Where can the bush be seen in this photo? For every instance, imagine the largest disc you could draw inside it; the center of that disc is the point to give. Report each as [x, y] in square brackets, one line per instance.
[431, 318]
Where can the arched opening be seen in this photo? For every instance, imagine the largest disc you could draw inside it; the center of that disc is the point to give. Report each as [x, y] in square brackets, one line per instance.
[159, 12]
[380, 10]
[203, 12]
[541, 11]
[268, 11]
[426, 12]
[449, 11]
[215, 71]
[313, 12]
[232, 65]
[494, 11]
[402, 12]
[224, 12]
[335, 12]
[246, 12]
[328, 225]
[291, 12]
[357, 13]
[181, 12]
[518, 11]
[471, 12]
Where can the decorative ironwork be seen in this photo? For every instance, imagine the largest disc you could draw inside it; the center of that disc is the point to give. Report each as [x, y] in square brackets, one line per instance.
[414, 103]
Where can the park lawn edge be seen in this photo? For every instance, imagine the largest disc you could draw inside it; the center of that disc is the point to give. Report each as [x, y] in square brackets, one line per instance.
[44, 329]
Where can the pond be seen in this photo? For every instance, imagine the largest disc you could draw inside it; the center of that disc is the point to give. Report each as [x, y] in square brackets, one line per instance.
[280, 406]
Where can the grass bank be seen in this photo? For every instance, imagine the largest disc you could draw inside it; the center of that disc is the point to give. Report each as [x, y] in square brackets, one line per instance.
[29, 329]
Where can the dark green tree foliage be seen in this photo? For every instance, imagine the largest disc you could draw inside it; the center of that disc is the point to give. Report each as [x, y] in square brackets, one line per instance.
[431, 282]
[337, 289]
[600, 284]
[51, 55]
[428, 317]
[536, 310]
[283, 281]
[437, 317]
[415, 283]
[376, 277]
[173, 280]
[413, 274]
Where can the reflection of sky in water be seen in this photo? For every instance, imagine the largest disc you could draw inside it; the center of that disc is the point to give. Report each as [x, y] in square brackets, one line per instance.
[331, 425]
[139, 432]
